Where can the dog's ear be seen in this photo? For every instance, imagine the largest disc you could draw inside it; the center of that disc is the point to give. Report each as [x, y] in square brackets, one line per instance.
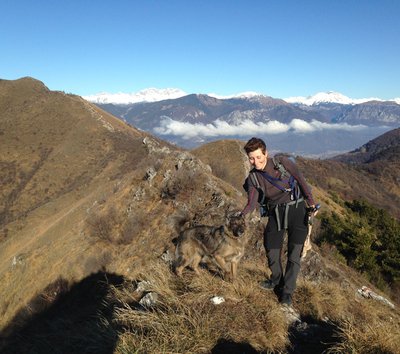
[234, 214]
[230, 210]
[227, 213]
[179, 221]
[246, 217]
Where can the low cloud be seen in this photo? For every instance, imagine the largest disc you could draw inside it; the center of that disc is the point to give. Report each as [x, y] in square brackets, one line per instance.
[246, 127]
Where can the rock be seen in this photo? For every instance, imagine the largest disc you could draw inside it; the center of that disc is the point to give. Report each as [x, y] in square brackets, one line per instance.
[216, 300]
[313, 267]
[292, 316]
[18, 260]
[143, 286]
[138, 193]
[154, 147]
[149, 300]
[150, 174]
[369, 294]
[185, 159]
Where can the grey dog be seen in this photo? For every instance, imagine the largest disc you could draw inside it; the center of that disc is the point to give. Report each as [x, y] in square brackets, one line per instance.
[224, 245]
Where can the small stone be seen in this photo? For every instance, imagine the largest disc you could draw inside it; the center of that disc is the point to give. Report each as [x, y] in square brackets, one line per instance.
[149, 300]
[143, 286]
[216, 300]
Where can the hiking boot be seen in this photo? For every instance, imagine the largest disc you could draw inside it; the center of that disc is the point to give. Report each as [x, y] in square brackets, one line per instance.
[286, 299]
[267, 285]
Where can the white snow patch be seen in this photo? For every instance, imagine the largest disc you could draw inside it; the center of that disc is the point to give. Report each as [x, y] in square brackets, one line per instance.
[147, 95]
[328, 97]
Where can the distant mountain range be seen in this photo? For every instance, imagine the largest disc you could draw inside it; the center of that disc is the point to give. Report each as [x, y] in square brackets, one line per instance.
[154, 94]
[147, 95]
[333, 97]
[324, 125]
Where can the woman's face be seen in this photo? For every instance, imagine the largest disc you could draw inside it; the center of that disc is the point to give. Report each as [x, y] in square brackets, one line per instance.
[258, 159]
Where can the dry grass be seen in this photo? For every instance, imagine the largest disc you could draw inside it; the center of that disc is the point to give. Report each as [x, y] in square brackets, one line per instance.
[233, 155]
[115, 228]
[322, 300]
[185, 320]
[374, 337]
[363, 326]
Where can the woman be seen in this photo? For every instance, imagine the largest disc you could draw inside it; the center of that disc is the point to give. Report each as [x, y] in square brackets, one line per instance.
[280, 187]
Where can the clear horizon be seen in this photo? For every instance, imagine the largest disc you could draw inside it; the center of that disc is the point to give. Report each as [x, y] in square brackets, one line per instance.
[279, 49]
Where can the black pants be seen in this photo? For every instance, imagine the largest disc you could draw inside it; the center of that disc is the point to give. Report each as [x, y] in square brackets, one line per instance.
[273, 242]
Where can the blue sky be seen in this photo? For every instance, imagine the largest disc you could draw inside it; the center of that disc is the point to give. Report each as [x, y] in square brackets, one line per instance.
[277, 48]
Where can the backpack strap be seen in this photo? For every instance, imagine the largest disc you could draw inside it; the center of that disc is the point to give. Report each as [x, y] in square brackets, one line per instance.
[293, 189]
[273, 181]
[254, 179]
[261, 196]
[279, 166]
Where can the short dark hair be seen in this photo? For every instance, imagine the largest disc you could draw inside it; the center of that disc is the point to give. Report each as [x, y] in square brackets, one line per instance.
[253, 144]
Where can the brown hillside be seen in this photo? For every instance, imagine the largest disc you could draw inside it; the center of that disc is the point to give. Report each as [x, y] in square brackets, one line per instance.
[78, 185]
[52, 143]
[227, 160]
[89, 205]
[379, 159]
[384, 147]
[354, 182]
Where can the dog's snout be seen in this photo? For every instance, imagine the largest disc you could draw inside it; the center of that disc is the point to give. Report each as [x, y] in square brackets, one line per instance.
[240, 231]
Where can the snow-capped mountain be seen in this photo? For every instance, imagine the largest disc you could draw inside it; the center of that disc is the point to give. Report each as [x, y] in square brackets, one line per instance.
[155, 95]
[313, 129]
[248, 94]
[146, 95]
[328, 97]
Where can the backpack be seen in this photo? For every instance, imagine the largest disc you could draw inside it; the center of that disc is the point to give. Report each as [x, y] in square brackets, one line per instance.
[293, 189]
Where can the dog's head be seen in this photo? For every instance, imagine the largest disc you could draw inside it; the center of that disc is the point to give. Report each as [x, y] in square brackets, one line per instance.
[236, 224]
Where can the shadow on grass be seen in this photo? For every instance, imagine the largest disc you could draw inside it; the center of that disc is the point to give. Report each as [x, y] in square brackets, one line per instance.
[65, 319]
[225, 346]
[308, 337]
[312, 336]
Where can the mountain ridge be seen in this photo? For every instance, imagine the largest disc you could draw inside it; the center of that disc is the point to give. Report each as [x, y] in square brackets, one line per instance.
[155, 94]
[78, 187]
[386, 145]
[192, 120]
[91, 208]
